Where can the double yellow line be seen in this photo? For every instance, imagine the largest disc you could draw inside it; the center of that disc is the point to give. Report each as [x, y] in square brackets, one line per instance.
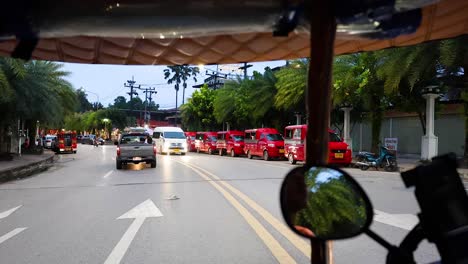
[276, 249]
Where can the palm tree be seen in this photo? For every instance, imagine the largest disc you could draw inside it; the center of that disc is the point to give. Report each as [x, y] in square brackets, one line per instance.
[34, 91]
[408, 70]
[291, 86]
[349, 211]
[180, 74]
[355, 81]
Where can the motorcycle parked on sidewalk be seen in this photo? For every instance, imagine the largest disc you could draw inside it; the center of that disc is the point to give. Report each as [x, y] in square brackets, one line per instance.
[385, 159]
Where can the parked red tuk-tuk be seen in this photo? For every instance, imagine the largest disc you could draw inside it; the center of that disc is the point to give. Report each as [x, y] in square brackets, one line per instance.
[230, 142]
[206, 142]
[191, 141]
[294, 137]
[264, 142]
[66, 142]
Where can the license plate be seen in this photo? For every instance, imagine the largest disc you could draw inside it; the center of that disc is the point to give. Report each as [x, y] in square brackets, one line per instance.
[281, 151]
[136, 158]
[176, 150]
[339, 155]
[68, 149]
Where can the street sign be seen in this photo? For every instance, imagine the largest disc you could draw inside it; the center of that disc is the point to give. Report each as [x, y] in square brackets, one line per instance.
[391, 143]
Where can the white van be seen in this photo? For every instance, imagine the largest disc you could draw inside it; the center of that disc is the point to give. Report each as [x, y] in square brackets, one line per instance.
[170, 140]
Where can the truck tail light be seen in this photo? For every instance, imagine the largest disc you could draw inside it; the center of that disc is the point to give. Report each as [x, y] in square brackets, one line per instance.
[118, 151]
[154, 150]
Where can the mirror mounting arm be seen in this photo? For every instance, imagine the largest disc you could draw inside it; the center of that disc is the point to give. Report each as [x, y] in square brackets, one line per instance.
[379, 240]
[397, 255]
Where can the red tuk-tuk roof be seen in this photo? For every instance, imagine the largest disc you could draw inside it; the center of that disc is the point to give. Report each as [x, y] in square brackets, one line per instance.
[207, 133]
[305, 126]
[232, 132]
[262, 130]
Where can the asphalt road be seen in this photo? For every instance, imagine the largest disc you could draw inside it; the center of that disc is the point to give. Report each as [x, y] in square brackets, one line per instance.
[190, 209]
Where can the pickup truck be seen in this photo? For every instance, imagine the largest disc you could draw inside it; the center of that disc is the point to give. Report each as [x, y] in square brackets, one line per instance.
[135, 148]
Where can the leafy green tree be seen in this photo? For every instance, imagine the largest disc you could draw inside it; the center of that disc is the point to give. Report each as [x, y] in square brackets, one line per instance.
[334, 208]
[291, 86]
[137, 103]
[246, 103]
[355, 81]
[120, 102]
[83, 103]
[179, 74]
[97, 106]
[197, 113]
[408, 70]
[34, 91]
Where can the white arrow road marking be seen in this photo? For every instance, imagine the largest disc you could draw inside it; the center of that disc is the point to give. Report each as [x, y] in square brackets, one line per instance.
[139, 213]
[108, 174]
[404, 221]
[8, 212]
[11, 234]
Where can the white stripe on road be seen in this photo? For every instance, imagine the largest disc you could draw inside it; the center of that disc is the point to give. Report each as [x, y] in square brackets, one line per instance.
[8, 212]
[119, 251]
[108, 174]
[403, 221]
[11, 234]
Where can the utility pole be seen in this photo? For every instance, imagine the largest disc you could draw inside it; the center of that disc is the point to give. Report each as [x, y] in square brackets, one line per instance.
[216, 75]
[132, 86]
[148, 95]
[244, 68]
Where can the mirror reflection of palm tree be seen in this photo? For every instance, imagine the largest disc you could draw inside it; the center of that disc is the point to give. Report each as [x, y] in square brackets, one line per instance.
[333, 208]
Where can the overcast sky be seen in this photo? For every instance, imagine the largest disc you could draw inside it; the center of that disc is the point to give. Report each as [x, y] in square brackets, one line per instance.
[107, 81]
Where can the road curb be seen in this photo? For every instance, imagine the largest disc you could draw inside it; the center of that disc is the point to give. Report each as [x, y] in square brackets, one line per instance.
[463, 173]
[27, 169]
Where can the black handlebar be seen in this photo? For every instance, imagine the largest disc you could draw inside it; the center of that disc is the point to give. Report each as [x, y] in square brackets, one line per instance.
[444, 209]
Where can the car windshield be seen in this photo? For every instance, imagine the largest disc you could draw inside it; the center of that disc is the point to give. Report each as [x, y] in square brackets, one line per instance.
[133, 139]
[237, 137]
[274, 137]
[333, 137]
[174, 134]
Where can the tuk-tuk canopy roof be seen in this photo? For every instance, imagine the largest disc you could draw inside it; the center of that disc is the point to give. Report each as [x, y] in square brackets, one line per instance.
[442, 19]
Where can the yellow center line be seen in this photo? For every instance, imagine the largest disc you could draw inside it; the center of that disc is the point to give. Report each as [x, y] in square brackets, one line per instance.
[273, 245]
[297, 241]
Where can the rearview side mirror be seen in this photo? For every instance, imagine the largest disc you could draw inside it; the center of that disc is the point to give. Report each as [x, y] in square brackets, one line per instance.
[324, 203]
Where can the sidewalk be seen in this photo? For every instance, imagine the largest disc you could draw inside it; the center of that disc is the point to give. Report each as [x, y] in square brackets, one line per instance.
[409, 161]
[25, 165]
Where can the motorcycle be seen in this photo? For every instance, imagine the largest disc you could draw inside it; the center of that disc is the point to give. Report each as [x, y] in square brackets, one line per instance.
[385, 159]
[325, 203]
